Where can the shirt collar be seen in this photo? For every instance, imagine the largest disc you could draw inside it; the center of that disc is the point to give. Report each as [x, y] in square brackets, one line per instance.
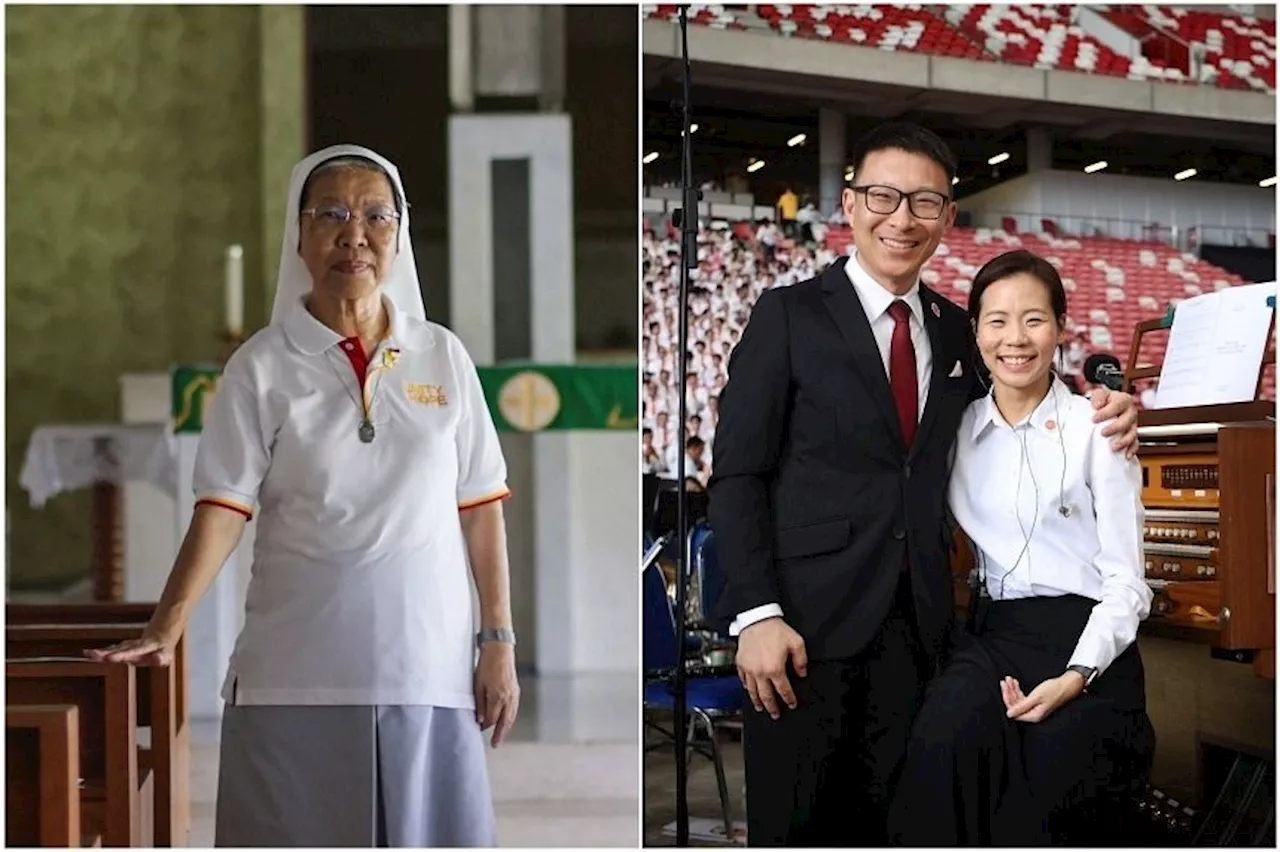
[1049, 409]
[313, 337]
[875, 298]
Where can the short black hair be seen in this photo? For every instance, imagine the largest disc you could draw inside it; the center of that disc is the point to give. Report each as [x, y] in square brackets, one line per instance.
[1018, 262]
[913, 139]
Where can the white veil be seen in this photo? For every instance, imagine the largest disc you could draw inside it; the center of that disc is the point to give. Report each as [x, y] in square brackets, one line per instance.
[293, 282]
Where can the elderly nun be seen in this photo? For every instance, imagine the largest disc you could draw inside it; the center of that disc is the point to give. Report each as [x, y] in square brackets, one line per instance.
[358, 432]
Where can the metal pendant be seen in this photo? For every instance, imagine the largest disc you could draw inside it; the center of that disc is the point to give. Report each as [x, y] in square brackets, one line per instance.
[366, 431]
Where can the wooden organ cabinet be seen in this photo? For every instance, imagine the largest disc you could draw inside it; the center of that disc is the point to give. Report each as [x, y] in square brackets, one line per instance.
[1208, 487]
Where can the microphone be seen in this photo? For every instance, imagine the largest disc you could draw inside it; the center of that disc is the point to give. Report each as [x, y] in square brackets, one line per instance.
[1104, 370]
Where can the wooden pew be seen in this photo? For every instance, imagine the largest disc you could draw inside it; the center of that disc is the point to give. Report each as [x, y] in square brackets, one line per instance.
[73, 613]
[100, 613]
[105, 695]
[169, 752]
[42, 775]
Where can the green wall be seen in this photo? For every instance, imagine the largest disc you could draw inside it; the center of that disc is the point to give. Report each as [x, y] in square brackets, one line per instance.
[140, 142]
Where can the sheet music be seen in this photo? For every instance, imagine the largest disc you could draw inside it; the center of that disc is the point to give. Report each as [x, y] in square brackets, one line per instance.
[1215, 347]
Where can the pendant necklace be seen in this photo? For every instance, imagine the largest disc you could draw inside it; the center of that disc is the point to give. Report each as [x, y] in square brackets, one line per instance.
[365, 431]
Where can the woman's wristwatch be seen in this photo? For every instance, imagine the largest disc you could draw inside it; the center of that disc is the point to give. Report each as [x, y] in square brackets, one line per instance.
[1086, 672]
[496, 634]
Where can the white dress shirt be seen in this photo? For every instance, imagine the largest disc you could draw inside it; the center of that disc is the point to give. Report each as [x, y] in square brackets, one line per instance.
[875, 300]
[1009, 502]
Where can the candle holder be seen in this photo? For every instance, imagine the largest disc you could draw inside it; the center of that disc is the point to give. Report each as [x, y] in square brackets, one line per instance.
[230, 341]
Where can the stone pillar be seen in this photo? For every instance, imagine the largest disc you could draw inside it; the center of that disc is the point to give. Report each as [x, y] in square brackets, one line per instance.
[461, 84]
[511, 261]
[1039, 150]
[833, 156]
[512, 52]
[283, 93]
[511, 298]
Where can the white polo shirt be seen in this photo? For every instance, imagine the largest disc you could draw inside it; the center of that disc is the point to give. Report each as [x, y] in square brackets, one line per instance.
[360, 591]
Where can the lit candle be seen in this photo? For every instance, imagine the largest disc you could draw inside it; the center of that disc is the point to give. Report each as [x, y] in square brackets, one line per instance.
[235, 289]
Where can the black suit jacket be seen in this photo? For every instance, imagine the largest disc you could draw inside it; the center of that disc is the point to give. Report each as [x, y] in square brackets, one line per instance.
[814, 499]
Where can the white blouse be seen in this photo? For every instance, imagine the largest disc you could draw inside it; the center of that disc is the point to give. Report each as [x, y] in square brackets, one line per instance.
[360, 589]
[1010, 502]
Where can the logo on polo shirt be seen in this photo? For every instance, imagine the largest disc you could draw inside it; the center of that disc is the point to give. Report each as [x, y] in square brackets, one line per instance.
[426, 394]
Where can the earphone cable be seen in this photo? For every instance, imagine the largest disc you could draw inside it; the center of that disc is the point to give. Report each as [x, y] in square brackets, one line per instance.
[1035, 517]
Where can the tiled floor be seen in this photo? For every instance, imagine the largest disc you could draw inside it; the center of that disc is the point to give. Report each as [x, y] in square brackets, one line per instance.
[568, 776]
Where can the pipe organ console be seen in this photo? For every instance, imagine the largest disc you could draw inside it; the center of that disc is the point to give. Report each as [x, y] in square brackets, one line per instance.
[1208, 537]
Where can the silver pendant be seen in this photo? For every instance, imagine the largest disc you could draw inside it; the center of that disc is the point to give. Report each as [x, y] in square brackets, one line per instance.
[366, 431]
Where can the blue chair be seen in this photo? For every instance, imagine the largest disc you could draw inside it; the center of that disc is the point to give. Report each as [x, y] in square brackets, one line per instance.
[708, 699]
[654, 550]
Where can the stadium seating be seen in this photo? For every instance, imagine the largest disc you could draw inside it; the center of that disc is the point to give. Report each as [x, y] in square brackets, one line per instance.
[1241, 49]
[907, 28]
[721, 17]
[1238, 51]
[1046, 37]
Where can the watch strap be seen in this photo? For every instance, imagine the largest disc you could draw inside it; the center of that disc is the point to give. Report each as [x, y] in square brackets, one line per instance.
[496, 634]
[1086, 672]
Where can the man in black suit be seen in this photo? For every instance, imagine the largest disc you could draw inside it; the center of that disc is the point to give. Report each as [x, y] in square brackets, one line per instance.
[828, 503]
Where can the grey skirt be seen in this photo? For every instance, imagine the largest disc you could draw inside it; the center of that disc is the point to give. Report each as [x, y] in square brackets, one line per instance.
[352, 776]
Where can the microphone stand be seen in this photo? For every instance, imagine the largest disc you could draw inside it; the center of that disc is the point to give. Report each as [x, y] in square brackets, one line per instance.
[688, 223]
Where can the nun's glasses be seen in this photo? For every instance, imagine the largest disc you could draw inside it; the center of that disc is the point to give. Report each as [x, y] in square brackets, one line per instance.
[379, 218]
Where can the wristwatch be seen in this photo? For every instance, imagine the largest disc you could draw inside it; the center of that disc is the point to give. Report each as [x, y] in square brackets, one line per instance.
[496, 634]
[1086, 672]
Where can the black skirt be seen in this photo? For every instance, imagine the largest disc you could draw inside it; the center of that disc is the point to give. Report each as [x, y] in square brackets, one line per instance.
[972, 776]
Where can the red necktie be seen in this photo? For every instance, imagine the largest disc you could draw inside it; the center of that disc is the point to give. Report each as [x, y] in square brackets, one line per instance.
[902, 370]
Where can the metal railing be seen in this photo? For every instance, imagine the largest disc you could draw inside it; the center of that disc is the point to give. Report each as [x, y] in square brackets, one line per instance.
[1183, 238]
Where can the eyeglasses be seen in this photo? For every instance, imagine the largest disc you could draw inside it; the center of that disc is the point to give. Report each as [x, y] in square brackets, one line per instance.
[379, 218]
[885, 200]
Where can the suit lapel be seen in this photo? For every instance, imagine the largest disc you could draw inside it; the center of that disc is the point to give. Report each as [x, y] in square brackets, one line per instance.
[851, 319]
[941, 364]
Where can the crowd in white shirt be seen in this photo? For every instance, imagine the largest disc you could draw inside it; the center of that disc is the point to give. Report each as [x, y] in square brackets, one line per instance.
[732, 273]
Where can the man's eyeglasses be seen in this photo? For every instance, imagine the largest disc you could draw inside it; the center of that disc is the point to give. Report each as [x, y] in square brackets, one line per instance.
[379, 218]
[884, 201]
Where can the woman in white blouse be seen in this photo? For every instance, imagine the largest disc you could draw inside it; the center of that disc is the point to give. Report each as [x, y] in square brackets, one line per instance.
[357, 432]
[1042, 707]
